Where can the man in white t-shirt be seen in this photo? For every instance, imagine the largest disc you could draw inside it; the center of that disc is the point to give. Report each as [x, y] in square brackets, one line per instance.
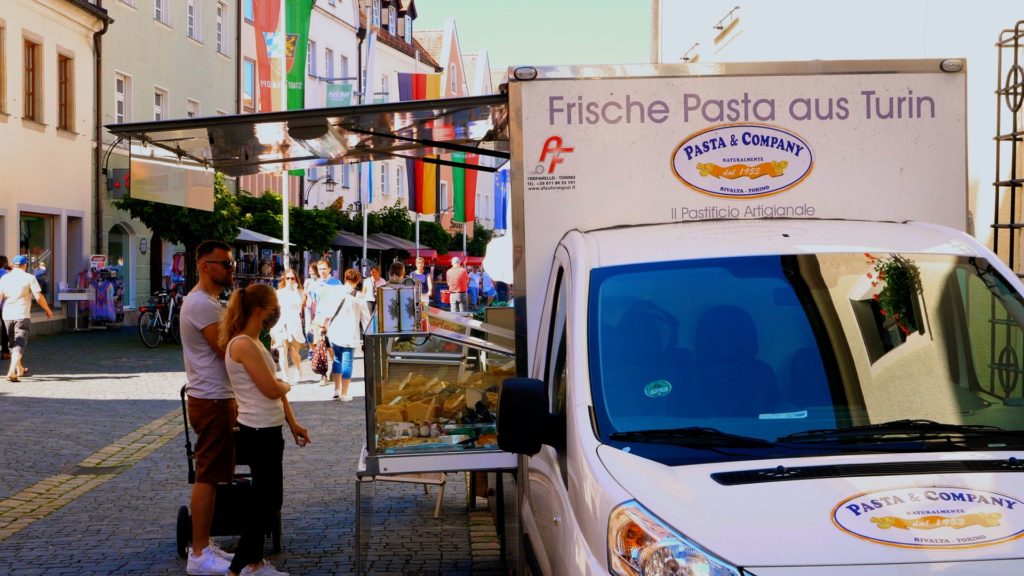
[211, 402]
[17, 289]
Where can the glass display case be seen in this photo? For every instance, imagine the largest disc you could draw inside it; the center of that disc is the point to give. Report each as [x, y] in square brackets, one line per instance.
[432, 397]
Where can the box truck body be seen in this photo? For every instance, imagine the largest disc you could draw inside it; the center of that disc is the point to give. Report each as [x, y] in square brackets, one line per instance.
[757, 339]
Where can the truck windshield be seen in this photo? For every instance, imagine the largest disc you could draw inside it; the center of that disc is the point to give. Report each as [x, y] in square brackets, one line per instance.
[769, 347]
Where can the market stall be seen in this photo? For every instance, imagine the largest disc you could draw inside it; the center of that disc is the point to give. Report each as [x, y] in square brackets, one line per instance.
[259, 258]
[432, 385]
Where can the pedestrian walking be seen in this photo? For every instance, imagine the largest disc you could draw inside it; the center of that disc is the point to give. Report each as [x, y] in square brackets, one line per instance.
[426, 283]
[17, 289]
[474, 287]
[5, 349]
[343, 329]
[211, 402]
[321, 315]
[263, 410]
[308, 305]
[458, 283]
[396, 274]
[487, 289]
[370, 286]
[286, 334]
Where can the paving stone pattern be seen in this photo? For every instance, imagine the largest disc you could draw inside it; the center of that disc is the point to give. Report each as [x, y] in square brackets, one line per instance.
[93, 471]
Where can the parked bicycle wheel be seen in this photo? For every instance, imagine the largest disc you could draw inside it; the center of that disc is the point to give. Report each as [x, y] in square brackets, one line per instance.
[175, 329]
[149, 329]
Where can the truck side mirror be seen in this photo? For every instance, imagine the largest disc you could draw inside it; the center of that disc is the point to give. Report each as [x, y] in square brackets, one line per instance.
[524, 423]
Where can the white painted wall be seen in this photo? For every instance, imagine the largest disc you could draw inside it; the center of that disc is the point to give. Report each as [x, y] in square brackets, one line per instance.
[46, 170]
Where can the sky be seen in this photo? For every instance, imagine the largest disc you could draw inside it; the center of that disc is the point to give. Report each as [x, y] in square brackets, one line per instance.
[539, 32]
[619, 32]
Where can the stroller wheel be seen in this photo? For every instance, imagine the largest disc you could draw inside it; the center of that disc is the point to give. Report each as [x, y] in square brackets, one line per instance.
[184, 531]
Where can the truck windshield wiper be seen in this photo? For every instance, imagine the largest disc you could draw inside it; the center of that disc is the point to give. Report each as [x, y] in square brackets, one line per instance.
[692, 436]
[903, 430]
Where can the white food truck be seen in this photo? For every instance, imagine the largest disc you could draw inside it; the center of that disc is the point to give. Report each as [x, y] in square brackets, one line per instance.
[758, 338]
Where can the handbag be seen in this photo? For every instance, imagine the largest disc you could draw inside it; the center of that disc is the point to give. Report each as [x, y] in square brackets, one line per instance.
[320, 363]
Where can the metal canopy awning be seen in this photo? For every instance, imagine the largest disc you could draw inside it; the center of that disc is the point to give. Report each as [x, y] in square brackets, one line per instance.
[246, 235]
[273, 141]
[395, 242]
[343, 238]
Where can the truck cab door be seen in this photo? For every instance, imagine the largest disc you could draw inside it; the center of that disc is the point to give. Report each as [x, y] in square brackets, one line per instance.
[550, 536]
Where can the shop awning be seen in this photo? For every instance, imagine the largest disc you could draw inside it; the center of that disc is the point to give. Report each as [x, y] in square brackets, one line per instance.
[446, 259]
[350, 240]
[296, 139]
[395, 242]
[246, 235]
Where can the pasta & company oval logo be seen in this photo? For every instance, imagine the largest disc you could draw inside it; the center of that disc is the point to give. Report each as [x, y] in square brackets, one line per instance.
[742, 160]
[934, 517]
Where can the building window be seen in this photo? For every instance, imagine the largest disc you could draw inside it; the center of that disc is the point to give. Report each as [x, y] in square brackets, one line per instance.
[33, 109]
[344, 67]
[329, 62]
[408, 29]
[221, 13]
[192, 108]
[248, 84]
[391, 20]
[159, 101]
[454, 73]
[129, 3]
[384, 179]
[311, 58]
[399, 180]
[332, 2]
[65, 92]
[376, 13]
[192, 19]
[122, 98]
[344, 176]
[161, 11]
[247, 10]
[36, 243]
[444, 195]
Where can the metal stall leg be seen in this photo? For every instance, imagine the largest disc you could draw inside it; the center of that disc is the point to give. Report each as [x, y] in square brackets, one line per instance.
[359, 527]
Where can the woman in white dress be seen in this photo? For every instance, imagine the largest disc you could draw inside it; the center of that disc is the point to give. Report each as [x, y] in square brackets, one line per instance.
[286, 335]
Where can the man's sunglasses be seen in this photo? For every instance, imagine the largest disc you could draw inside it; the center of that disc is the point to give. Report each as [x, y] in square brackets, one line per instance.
[229, 264]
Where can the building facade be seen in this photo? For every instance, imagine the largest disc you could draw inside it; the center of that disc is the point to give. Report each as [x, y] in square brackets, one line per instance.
[47, 80]
[145, 78]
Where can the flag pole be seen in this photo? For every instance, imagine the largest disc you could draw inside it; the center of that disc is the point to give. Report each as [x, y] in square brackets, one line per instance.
[284, 106]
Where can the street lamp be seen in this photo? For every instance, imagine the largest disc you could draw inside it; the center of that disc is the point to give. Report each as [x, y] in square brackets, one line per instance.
[329, 184]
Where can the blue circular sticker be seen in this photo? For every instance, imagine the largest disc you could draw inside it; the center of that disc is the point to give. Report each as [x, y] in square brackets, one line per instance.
[658, 389]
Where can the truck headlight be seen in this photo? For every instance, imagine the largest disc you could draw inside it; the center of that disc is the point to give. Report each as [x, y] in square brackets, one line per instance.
[640, 544]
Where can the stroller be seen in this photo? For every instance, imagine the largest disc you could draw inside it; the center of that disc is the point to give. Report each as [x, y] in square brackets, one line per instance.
[229, 515]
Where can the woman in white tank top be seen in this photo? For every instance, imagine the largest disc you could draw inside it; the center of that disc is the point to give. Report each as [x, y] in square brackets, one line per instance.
[263, 410]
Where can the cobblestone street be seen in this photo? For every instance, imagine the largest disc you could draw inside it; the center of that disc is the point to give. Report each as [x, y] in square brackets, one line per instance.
[93, 471]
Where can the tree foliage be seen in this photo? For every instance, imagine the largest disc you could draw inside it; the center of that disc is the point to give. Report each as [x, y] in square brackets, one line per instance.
[186, 225]
[434, 235]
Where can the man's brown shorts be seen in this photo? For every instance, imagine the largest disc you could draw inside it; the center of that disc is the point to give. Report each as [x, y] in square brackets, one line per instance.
[214, 423]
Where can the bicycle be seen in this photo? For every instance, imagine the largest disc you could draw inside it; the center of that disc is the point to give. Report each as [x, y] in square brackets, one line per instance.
[159, 320]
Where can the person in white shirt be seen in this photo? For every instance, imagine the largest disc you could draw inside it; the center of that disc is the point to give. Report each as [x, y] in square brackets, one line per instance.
[17, 289]
[286, 335]
[370, 286]
[345, 315]
[263, 409]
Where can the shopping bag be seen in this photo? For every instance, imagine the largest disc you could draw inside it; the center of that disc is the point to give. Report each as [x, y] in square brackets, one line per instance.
[320, 362]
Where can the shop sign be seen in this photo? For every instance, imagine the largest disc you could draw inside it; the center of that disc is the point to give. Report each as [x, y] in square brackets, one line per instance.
[742, 160]
[933, 517]
[97, 261]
